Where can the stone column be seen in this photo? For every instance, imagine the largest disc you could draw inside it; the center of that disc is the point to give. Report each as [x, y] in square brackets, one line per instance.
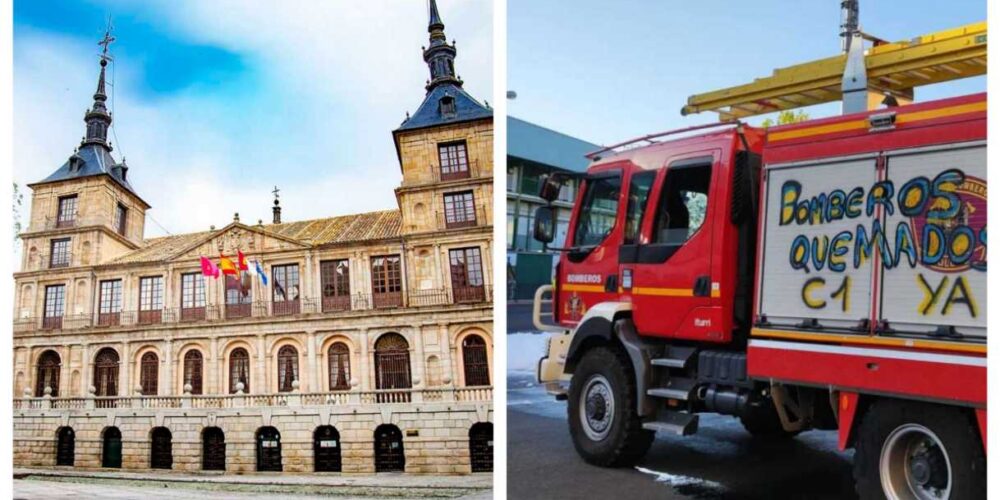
[125, 386]
[214, 366]
[306, 280]
[436, 262]
[65, 373]
[418, 355]
[313, 363]
[261, 383]
[365, 373]
[168, 369]
[168, 293]
[447, 370]
[85, 378]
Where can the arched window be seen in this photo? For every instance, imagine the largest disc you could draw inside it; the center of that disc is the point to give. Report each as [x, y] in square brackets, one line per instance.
[149, 370]
[239, 370]
[47, 374]
[339, 366]
[474, 361]
[288, 368]
[389, 455]
[192, 370]
[392, 362]
[106, 372]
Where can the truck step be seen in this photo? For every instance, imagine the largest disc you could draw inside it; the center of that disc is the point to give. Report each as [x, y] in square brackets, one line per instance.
[676, 388]
[681, 424]
[676, 357]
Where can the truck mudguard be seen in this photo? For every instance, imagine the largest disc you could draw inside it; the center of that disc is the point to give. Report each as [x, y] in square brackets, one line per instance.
[599, 322]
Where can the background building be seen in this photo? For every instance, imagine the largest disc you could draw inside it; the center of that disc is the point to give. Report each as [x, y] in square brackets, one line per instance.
[368, 349]
[532, 152]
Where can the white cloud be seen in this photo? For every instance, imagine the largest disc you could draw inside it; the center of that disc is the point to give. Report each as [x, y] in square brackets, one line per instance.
[339, 77]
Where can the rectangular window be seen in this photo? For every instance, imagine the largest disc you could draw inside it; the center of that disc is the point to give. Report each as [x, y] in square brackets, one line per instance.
[286, 289]
[192, 296]
[467, 275]
[683, 202]
[238, 297]
[459, 210]
[150, 299]
[59, 253]
[454, 161]
[121, 219]
[335, 278]
[638, 194]
[67, 211]
[387, 285]
[55, 304]
[598, 210]
[110, 303]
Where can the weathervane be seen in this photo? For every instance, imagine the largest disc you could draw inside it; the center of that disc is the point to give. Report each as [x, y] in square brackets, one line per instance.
[106, 41]
[275, 192]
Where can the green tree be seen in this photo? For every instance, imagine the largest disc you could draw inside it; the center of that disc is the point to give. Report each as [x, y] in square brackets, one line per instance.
[18, 202]
[786, 117]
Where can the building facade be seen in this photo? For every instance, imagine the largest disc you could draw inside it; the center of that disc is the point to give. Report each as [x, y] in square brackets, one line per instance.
[368, 349]
[532, 153]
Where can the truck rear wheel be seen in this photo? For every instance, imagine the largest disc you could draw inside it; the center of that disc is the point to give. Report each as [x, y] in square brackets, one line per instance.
[603, 421]
[909, 450]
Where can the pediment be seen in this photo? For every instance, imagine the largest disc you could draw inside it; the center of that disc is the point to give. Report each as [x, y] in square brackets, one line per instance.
[250, 240]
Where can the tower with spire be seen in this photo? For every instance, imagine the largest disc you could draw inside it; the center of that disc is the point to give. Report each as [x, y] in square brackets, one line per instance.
[445, 147]
[89, 200]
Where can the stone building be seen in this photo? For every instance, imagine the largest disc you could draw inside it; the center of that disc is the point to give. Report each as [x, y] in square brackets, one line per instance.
[369, 348]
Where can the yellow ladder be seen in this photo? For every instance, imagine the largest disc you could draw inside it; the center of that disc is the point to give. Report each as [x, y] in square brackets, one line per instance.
[894, 68]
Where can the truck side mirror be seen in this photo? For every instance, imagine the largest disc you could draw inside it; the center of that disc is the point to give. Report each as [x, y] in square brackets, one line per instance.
[545, 226]
[549, 190]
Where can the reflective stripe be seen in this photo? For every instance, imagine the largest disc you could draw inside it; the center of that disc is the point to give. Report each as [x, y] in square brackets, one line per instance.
[869, 340]
[952, 359]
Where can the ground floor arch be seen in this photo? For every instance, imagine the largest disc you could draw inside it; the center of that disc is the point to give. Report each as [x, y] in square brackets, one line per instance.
[161, 449]
[268, 450]
[326, 449]
[389, 456]
[481, 447]
[213, 449]
[65, 446]
[111, 448]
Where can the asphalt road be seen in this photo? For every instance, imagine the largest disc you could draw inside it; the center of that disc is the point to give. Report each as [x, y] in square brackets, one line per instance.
[721, 461]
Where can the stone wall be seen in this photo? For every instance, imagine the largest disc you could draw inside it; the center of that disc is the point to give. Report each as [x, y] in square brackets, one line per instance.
[435, 435]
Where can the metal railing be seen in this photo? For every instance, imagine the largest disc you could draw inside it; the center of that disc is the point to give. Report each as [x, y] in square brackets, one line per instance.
[481, 217]
[285, 399]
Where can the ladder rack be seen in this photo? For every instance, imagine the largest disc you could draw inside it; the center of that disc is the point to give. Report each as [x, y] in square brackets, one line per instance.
[894, 68]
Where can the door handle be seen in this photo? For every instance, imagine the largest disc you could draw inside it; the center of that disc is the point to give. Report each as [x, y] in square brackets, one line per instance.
[611, 283]
[702, 286]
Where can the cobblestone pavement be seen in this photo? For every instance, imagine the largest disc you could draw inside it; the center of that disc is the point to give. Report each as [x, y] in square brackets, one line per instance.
[35, 489]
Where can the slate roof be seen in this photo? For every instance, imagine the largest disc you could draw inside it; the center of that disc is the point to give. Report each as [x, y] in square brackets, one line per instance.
[355, 228]
[97, 160]
[429, 113]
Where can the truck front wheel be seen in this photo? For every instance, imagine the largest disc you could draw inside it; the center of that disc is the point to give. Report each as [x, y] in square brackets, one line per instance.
[909, 450]
[603, 421]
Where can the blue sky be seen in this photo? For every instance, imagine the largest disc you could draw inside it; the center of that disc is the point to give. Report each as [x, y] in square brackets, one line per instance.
[215, 102]
[608, 71]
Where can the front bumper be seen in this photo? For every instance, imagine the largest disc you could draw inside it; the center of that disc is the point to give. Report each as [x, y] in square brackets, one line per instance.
[552, 366]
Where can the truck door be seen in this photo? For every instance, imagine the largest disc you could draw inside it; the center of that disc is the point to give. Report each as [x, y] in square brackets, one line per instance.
[589, 273]
[666, 273]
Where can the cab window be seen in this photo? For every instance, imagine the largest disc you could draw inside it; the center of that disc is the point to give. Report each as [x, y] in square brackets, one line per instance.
[683, 203]
[598, 210]
[638, 194]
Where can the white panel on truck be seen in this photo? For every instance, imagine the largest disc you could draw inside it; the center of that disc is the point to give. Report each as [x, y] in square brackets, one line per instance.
[811, 272]
[934, 278]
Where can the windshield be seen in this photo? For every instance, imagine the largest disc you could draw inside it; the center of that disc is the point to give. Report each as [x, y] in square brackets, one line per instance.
[598, 211]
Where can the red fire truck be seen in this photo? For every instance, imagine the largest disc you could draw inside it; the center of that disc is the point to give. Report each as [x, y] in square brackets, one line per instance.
[829, 274]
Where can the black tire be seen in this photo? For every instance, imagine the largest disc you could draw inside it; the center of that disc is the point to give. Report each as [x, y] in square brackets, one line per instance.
[955, 428]
[626, 441]
[762, 421]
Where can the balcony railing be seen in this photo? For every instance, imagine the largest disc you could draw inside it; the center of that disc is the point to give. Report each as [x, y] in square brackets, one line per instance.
[435, 297]
[292, 399]
[480, 218]
[49, 261]
[472, 171]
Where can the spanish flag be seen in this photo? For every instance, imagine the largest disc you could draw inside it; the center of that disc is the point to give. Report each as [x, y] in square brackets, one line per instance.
[227, 266]
[241, 261]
